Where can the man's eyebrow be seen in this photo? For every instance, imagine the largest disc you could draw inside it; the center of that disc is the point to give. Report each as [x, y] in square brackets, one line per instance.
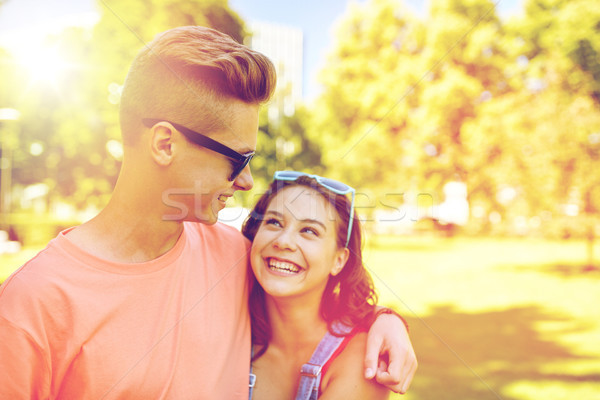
[306, 220]
[243, 151]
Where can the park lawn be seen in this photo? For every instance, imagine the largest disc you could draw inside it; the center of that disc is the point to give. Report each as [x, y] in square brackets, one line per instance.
[494, 318]
[511, 319]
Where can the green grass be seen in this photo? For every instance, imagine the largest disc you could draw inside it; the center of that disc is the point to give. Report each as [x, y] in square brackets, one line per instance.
[511, 319]
[494, 319]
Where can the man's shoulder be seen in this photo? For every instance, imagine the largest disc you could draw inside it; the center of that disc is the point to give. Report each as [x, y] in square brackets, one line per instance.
[31, 272]
[26, 287]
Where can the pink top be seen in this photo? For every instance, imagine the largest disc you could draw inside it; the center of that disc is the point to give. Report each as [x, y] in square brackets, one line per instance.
[74, 326]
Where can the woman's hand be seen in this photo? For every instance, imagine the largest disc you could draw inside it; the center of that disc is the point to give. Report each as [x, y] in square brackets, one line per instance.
[390, 357]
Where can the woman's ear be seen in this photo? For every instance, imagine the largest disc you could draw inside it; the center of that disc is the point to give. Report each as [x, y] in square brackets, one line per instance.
[341, 258]
[161, 143]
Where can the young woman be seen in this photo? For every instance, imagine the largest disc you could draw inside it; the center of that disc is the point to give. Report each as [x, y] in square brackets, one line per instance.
[314, 297]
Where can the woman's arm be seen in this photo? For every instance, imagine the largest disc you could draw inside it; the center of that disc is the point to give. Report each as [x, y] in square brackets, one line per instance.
[344, 380]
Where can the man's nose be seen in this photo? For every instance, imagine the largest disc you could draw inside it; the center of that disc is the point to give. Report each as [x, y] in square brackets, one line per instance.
[244, 180]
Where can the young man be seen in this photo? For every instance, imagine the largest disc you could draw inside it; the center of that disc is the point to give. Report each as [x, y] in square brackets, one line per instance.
[149, 298]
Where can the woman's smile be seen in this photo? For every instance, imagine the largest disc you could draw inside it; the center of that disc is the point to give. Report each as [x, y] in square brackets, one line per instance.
[282, 267]
[295, 248]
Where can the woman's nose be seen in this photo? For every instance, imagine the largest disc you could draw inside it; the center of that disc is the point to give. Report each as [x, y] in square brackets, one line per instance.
[285, 240]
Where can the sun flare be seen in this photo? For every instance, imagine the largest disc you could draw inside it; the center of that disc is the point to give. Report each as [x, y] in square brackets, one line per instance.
[44, 64]
[34, 46]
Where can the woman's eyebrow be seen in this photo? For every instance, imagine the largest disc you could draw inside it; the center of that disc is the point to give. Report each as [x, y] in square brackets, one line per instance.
[305, 220]
[314, 221]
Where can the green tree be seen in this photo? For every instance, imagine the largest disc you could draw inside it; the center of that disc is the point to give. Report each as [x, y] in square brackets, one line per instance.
[360, 119]
[282, 144]
[566, 28]
[511, 109]
[541, 140]
[69, 134]
[465, 59]
[398, 92]
[562, 46]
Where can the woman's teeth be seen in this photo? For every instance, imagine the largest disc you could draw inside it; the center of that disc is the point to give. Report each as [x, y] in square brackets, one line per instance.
[283, 266]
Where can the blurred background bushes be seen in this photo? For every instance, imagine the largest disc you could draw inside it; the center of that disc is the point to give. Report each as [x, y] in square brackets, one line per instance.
[496, 122]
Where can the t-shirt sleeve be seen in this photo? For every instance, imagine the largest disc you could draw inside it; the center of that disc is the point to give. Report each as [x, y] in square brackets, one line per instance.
[23, 370]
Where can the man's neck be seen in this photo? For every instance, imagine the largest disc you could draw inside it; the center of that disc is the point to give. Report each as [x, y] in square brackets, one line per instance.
[127, 233]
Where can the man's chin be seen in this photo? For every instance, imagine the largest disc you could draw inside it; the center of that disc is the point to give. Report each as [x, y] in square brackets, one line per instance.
[206, 219]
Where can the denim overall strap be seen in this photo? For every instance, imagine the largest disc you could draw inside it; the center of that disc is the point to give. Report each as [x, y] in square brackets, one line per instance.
[310, 373]
[252, 376]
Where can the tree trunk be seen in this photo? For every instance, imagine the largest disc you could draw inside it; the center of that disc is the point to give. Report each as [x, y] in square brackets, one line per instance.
[591, 236]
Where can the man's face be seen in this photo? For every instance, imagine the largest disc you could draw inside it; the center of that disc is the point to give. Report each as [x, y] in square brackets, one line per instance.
[200, 186]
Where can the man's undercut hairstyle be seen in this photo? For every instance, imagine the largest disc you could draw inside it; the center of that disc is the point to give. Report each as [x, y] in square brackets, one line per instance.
[187, 75]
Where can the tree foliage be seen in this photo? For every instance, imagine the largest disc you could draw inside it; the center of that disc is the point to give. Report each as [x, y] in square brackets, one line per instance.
[73, 120]
[410, 103]
[508, 107]
[284, 144]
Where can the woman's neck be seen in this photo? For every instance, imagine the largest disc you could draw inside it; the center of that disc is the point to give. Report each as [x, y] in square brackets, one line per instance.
[296, 330]
[296, 324]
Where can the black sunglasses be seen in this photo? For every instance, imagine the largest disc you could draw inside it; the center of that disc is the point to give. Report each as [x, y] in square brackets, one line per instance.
[238, 161]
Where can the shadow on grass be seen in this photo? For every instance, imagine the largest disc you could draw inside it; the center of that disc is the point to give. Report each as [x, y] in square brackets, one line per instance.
[465, 356]
[564, 270]
[418, 245]
[573, 270]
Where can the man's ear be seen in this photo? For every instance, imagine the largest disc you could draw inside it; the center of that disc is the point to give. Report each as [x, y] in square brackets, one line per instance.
[161, 143]
[341, 258]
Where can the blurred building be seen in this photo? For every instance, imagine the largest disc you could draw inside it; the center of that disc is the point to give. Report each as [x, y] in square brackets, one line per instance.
[285, 47]
[455, 207]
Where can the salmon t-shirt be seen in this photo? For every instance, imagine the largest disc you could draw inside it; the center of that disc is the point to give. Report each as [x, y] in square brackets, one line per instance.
[74, 326]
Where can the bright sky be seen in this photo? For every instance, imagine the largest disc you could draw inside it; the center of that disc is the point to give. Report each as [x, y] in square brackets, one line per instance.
[45, 16]
[315, 18]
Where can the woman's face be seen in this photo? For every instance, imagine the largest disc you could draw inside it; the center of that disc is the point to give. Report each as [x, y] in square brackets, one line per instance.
[295, 248]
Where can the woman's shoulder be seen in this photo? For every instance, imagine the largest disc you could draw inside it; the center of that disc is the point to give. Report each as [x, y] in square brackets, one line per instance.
[345, 376]
[354, 350]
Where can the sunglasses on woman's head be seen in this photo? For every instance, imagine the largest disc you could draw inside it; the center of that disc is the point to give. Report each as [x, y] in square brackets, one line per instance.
[238, 161]
[330, 184]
